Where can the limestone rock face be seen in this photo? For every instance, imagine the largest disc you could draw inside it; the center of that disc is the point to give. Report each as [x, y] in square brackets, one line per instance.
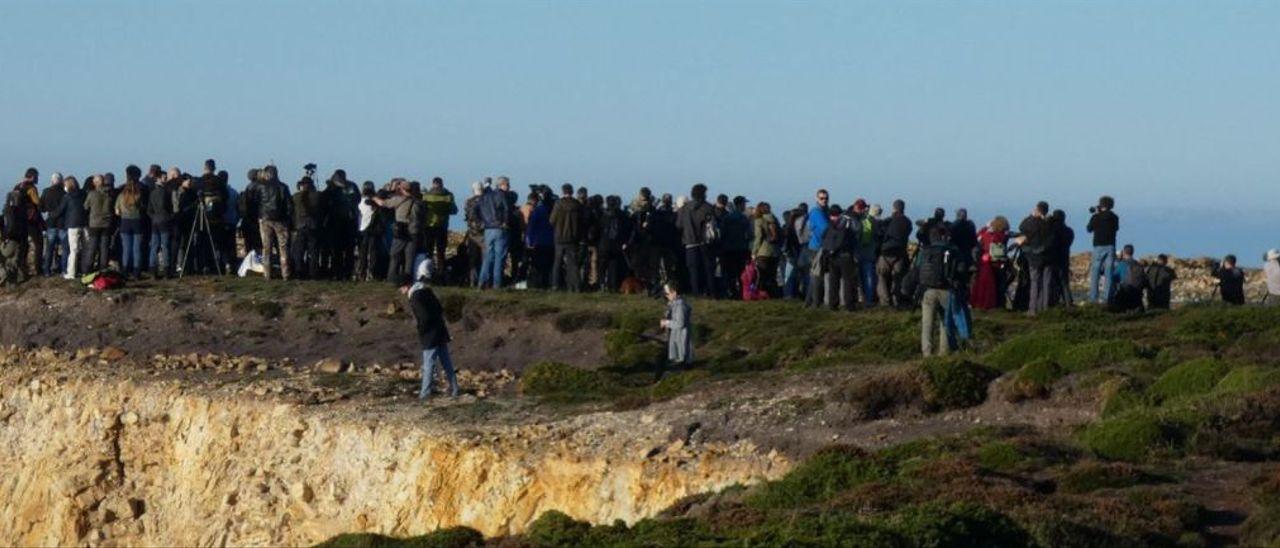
[103, 461]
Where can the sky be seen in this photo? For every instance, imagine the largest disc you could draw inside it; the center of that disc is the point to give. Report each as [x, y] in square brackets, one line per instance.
[1169, 106]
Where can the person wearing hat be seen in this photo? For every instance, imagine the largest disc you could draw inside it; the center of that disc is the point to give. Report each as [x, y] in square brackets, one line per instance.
[433, 332]
[1271, 271]
[1104, 224]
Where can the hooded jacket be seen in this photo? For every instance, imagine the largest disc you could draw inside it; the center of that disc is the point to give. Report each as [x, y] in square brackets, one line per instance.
[566, 217]
[762, 247]
[50, 201]
[99, 203]
[440, 206]
[692, 221]
[72, 209]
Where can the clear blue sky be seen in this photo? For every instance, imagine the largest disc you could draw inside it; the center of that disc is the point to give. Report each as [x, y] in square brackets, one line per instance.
[1170, 106]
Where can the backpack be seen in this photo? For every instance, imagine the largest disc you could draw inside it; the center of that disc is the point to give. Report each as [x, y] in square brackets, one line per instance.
[937, 267]
[998, 251]
[836, 239]
[106, 280]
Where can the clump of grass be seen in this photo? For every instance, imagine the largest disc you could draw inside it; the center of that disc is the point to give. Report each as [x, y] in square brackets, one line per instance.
[555, 528]
[1094, 354]
[825, 474]
[577, 320]
[1032, 380]
[1220, 326]
[1187, 379]
[1133, 436]
[883, 394]
[1027, 347]
[1248, 378]
[1000, 456]
[954, 383]
[626, 349]
[1089, 476]
[563, 383]
[1120, 394]
[268, 310]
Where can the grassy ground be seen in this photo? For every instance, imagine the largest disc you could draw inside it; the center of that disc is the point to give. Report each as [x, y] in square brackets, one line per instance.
[1181, 392]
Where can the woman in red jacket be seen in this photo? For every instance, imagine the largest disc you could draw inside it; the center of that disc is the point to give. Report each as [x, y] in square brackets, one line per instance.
[988, 286]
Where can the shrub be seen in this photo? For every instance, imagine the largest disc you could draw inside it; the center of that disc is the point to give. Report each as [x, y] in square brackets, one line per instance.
[1219, 326]
[1027, 347]
[953, 383]
[1059, 532]
[1249, 378]
[1032, 380]
[453, 537]
[959, 524]
[817, 529]
[1089, 476]
[1000, 456]
[883, 394]
[1187, 379]
[566, 383]
[1121, 394]
[1093, 354]
[1131, 436]
[554, 528]
[628, 350]
[823, 475]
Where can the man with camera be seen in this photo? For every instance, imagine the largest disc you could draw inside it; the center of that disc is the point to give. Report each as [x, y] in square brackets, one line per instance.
[1103, 225]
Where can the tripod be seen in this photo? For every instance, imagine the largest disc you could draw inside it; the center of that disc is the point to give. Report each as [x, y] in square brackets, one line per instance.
[201, 224]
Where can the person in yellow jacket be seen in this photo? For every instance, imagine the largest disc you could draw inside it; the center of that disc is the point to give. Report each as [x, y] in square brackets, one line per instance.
[440, 206]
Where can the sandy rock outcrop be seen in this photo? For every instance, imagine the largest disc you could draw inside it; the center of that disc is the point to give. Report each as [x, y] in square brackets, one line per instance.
[106, 459]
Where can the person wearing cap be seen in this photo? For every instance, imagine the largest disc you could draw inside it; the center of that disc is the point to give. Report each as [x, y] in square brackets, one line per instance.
[1104, 224]
[433, 332]
[1271, 271]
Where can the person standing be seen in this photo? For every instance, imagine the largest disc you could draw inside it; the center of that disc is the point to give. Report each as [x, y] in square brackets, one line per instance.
[98, 204]
[1271, 271]
[273, 203]
[75, 219]
[54, 260]
[765, 248]
[540, 240]
[1103, 224]
[1037, 242]
[613, 242]
[819, 218]
[891, 267]
[867, 249]
[678, 321]
[1063, 237]
[566, 218]
[1160, 279]
[698, 230]
[433, 332]
[493, 209]
[338, 231]
[128, 207]
[1230, 280]
[935, 274]
[988, 286]
[307, 211]
[161, 210]
[440, 206]
[840, 245]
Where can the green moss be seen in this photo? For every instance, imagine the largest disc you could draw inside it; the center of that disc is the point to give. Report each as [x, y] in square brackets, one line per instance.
[676, 384]
[1220, 326]
[554, 528]
[628, 350]
[1000, 456]
[826, 473]
[1249, 378]
[1094, 354]
[1263, 526]
[577, 320]
[1032, 380]
[953, 383]
[454, 537]
[1187, 379]
[1133, 436]
[1120, 394]
[958, 524]
[1022, 349]
[1060, 532]
[559, 382]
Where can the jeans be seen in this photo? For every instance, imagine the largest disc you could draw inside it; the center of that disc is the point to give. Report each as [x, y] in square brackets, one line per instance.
[130, 252]
[75, 238]
[429, 356]
[162, 245]
[1101, 265]
[55, 248]
[495, 253]
[867, 270]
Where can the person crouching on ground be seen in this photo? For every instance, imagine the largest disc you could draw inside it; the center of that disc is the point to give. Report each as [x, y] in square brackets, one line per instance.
[433, 333]
[678, 321]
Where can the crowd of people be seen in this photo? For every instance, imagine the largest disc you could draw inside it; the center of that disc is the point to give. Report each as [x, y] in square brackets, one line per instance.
[167, 223]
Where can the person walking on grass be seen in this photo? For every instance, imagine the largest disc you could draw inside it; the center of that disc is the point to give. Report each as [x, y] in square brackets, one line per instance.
[433, 332]
[678, 321]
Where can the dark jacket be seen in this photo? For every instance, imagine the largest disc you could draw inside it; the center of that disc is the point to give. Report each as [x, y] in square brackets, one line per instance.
[272, 201]
[692, 221]
[736, 232]
[615, 230]
[440, 206]
[306, 210]
[540, 233]
[160, 205]
[1039, 239]
[72, 209]
[1104, 225]
[492, 209]
[1231, 284]
[964, 236]
[566, 217]
[50, 202]
[429, 315]
[896, 234]
[1160, 285]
